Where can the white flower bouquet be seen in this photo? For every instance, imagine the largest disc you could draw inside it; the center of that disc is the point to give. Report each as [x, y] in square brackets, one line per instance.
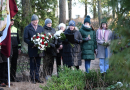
[41, 41]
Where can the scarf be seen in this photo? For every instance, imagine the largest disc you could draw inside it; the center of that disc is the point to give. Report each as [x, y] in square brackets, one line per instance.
[86, 26]
[35, 27]
[101, 35]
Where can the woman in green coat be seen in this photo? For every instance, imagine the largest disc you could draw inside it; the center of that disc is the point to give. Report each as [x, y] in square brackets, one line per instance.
[89, 45]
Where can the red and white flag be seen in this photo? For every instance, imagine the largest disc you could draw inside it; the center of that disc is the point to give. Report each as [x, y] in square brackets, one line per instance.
[9, 9]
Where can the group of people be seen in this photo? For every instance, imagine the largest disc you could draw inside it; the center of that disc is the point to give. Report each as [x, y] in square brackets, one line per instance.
[87, 43]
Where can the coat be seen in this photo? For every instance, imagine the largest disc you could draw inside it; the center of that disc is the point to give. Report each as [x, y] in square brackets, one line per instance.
[88, 47]
[29, 31]
[72, 55]
[52, 48]
[101, 48]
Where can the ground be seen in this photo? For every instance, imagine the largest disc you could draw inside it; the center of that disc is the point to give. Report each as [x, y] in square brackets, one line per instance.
[30, 86]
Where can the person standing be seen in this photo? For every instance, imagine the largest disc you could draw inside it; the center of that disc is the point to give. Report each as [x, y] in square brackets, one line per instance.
[16, 49]
[62, 27]
[72, 51]
[104, 37]
[89, 44]
[50, 52]
[35, 60]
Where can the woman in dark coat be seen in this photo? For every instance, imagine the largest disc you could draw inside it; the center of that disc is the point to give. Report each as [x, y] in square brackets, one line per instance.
[50, 52]
[89, 44]
[72, 53]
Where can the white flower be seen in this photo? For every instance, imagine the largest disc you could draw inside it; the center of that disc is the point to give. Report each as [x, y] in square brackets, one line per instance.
[57, 34]
[31, 38]
[38, 39]
[49, 33]
[45, 42]
[42, 35]
[38, 34]
[47, 38]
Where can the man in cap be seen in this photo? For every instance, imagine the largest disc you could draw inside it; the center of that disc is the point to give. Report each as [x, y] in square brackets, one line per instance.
[32, 29]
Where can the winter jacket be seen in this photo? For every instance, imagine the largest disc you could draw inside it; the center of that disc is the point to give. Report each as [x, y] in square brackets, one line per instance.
[89, 46]
[101, 48]
[29, 32]
[52, 48]
[72, 55]
[15, 37]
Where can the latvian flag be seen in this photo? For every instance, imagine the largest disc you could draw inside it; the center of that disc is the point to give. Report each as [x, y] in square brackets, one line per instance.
[8, 9]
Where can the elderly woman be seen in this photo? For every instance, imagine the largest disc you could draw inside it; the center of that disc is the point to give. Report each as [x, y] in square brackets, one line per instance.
[59, 45]
[72, 51]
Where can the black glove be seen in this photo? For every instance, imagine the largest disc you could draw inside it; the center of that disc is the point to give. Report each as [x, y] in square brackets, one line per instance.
[77, 41]
[52, 45]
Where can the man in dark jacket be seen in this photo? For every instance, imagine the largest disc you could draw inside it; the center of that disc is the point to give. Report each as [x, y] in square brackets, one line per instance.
[16, 49]
[32, 29]
[50, 52]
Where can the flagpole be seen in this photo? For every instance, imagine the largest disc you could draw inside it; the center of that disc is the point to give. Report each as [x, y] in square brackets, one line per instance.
[8, 72]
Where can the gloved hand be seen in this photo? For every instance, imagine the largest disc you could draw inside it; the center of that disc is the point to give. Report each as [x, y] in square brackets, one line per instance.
[52, 45]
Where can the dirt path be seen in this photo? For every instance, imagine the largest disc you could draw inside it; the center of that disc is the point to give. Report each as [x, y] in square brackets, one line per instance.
[30, 86]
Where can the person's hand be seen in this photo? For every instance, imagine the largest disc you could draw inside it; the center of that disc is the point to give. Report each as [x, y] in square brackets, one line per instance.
[61, 46]
[87, 39]
[33, 46]
[96, 51]
[19, 51]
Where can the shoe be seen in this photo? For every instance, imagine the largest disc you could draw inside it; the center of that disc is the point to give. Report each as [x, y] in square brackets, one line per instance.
[1, 89]
[10, 84]
[33, 81]
[39, 81]
[15, 80]
[3, 85]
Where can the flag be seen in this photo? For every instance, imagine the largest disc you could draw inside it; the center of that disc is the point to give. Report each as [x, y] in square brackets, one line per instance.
[9, 9]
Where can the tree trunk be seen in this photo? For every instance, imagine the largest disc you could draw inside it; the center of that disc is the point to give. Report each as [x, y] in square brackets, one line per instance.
[113, 8]
[70, 9]
[62, 7]
[26, 12]
[94, 9]
[99, 11]
[86, 10]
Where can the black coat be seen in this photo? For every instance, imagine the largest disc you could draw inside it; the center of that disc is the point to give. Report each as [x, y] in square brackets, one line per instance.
[29, 31]
[72, 55]
[52, 48]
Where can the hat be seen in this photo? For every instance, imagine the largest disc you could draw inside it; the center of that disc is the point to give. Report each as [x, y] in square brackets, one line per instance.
[104, 20]
[87, 19]
[12, 19]
[48, 20]
[34, 17]
[61, 25]
[72, 23]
